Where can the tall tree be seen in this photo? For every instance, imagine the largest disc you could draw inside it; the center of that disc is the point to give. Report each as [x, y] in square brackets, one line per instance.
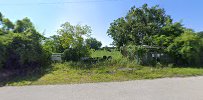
[139, 23]
[53, 44]
[20, 45]
[23, 25]
[7, 24]
[200, 34]
[93, 43]
[72, 36]
[72, 39]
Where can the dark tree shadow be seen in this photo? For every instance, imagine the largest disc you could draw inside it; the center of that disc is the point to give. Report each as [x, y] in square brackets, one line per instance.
[32, 74]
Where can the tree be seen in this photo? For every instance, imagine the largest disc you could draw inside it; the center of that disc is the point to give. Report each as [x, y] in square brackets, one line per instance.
[169, 33]
[20, 45]
[1, 18]
[7, 24]
[186, 48]
[24, 51]
[138, 24]
[149, 27]
[75, 54]
[120, 32]
[53, 44]
[2, 53]
[23, 25]
[71, 38]
[93, 43]
[200, 34]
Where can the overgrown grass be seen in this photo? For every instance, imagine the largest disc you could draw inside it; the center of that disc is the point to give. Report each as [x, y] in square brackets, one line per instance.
[117, 69]
[100, 53]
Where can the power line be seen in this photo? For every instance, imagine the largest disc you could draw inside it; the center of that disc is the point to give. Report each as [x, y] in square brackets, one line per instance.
[58, 3]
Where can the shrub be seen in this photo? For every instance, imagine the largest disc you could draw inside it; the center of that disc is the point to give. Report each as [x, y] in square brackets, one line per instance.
[134, 52]
[186, 49]
[2, 55]
[20, 45]
[75, 54]
[20, 51]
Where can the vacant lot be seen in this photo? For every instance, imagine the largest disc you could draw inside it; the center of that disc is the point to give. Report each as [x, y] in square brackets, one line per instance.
[117, 69]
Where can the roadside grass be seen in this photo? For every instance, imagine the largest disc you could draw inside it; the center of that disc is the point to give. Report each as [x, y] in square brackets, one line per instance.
[117, 69]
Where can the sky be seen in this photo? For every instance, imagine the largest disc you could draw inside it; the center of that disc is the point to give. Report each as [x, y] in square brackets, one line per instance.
[48, 15]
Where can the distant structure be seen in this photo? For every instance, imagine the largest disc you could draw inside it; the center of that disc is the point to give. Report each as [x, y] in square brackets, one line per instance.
[56, 57]
[154, 54]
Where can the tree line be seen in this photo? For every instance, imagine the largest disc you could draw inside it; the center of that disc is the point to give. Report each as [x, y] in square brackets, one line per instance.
[151, 27]
[22, 46]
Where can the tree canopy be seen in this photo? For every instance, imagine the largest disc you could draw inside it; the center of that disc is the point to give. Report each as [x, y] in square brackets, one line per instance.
[141, 24]
[71, 36]
[186, 48]
[72, 40]
[20, 45]
[200, 34]
[150, 27]
[93, 43]
[69, 41]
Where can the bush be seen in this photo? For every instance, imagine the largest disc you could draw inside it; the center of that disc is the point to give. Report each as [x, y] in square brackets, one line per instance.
[20, 45]
[2, 55]
[134, 52]
[21, 52]
[186, 49]
[75, 54]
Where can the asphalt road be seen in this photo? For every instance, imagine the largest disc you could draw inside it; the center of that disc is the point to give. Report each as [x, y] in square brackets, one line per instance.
[159, 89]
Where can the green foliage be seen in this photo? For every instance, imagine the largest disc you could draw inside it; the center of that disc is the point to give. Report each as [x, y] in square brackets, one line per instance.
[200, 34]
[7, 24]
[20, 45]
[53, 44]
[23, 52]
[117, 69]
[186, 48]
[75, 54]
[23, 25]
[172, 29]
[69, 41]
[134, 52]
[139, 23]
[93, 43]
[72, 36]
[72, 41]
[2, 54]
[150, 28]
[119, 32]
[162, 40]
[1, 17]
[168, 33]
[70, 73]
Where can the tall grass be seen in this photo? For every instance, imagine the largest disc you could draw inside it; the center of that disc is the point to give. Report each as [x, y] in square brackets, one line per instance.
[117, 69]
[100, 53]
